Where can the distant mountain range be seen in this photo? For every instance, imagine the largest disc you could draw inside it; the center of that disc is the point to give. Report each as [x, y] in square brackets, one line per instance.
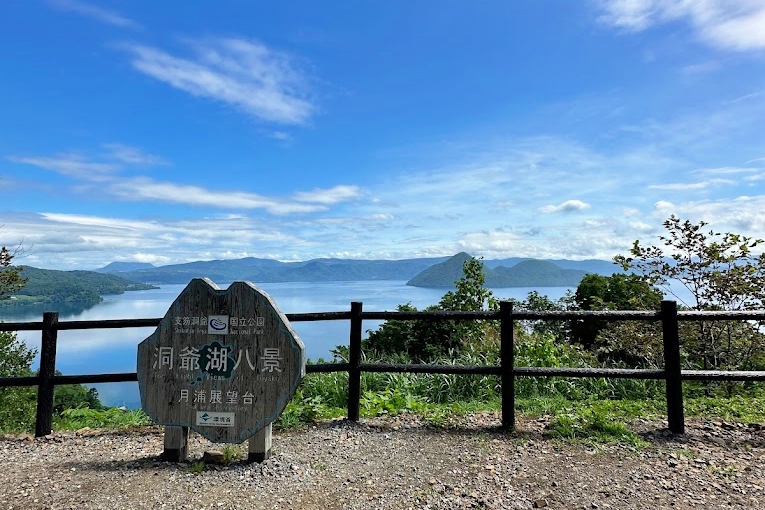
[268, 270]
[425, 272]
[525, 273]
[47, 287]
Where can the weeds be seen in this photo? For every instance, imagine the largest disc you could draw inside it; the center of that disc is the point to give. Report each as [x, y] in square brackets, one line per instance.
[75, 419]
[230, 453]
[592, 424]
[197, 467]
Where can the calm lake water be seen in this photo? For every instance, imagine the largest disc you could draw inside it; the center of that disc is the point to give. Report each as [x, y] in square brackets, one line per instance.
[114, 350]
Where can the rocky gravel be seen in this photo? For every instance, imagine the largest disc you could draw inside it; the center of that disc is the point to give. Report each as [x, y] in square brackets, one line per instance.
[396, 463]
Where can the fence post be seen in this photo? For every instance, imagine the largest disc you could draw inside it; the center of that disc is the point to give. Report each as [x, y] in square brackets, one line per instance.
[44, 418]
[674, 382]
[354, 360]
[506, 364]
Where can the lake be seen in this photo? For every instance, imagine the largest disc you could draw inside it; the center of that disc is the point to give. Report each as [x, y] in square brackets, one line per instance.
[114, 350]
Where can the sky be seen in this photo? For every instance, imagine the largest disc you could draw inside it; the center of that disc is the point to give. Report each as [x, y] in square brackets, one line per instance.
[164, 132]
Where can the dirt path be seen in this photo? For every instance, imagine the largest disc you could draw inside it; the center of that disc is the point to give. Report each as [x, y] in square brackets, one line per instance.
[395, 463]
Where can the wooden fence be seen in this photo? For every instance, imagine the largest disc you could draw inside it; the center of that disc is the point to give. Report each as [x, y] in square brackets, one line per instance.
[668, 314]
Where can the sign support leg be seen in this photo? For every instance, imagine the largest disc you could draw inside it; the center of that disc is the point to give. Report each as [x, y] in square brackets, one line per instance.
[260, 445]
[176, 444]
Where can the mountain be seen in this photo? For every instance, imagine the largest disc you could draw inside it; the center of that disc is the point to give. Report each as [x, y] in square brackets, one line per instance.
[268, 270]
[526, 273]
[602, 267]
[536, 273]
[336, 270]
[51, 286]
[117, 267]
[443, 274]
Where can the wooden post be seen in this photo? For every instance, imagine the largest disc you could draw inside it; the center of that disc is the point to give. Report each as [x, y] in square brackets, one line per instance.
[354, 355]
[260, 445]
[176, 444]
[506, 364]
[674, 382]
[44, 418]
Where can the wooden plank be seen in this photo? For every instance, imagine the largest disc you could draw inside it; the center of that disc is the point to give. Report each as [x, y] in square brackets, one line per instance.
[430, 369]
[176, 444]
[259, 448]
[674, 387]
[21, 326]
[6, 382]
[722, 375]
[613, 373]
[44, 417]
[507, 362]
[354, 362]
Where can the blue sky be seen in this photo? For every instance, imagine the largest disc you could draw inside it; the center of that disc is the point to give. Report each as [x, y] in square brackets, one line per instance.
[147, 131]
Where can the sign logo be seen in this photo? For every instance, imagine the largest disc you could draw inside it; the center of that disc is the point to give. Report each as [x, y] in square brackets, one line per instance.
[215, 419]
[217, 325]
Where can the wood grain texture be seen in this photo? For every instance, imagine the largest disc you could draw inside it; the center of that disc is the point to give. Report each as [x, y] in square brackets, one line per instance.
[228, 354]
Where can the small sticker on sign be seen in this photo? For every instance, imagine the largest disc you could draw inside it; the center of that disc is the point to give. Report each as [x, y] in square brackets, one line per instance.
[217, 325]
[215, 419]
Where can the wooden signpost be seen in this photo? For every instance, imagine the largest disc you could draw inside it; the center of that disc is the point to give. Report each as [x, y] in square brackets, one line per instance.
[221, 362]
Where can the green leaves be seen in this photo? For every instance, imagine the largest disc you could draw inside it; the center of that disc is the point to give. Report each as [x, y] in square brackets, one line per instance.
[10, 277]
[421, 340]
[719, 272]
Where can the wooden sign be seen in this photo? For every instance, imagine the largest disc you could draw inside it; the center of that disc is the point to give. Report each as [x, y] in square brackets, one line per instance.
[222, 362]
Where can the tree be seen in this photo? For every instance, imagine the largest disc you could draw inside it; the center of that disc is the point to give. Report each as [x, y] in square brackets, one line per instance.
[423, 340]
[17, 405]
[633, 343]
[71, 396]
[536, 302]
[720, 272]
[10, 277]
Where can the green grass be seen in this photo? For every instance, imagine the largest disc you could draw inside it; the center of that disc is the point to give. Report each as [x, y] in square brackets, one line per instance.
[749, 409]
[197, 467]
[231, 453]
[587, 423]
[112, 418]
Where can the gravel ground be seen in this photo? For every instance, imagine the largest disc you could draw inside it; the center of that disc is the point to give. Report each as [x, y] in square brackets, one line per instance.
[395, 463]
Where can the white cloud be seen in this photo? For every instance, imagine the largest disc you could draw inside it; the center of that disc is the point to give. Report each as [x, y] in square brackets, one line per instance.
[87, 241]
[106, 177]
[94, 12]
[727, 170]
[745, 97]
[280, 135]
[151, 258]
[567, 206]
[144, 188]
[70, 165]
[133, 155]
[702, 68]
[245, 74]
[728, 24]
[328, 196]
[686, 186]
[741, 215]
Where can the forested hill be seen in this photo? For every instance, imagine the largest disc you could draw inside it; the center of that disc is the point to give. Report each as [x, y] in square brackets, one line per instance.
[527, 273]
[51, 286]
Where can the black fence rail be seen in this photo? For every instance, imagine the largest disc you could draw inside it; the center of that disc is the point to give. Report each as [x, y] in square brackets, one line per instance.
[668, 315]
